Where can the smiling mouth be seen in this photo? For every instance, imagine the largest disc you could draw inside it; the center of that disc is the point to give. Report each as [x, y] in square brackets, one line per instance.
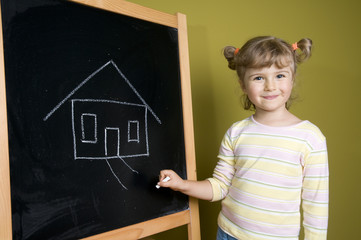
[270, 97]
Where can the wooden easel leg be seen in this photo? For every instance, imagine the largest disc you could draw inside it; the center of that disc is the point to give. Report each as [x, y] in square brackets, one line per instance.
[194, 230]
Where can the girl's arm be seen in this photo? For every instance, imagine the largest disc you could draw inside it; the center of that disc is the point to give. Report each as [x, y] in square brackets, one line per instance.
[198, 189]
[315, 194]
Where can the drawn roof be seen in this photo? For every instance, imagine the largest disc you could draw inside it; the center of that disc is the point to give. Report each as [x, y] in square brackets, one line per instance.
[111, 62]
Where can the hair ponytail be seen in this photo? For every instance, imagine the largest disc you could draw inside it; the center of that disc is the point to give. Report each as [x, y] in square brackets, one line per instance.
[305, 45]
[229, 54]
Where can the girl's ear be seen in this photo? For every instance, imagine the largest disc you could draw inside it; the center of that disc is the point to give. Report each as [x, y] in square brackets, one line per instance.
[293, 81]
[243, 87]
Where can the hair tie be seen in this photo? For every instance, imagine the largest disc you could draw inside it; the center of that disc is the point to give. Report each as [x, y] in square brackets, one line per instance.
[294, 46]
[236, 51]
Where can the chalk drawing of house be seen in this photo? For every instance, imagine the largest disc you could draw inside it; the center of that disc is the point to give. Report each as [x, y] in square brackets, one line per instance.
[105, 129]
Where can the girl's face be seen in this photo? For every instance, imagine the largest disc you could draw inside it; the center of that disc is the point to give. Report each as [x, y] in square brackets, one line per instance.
[268, 88]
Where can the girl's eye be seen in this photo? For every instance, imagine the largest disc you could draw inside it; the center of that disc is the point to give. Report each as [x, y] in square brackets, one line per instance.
[280, 76]
[258, 78]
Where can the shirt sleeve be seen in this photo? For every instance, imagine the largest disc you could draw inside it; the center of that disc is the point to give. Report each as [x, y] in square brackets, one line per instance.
[224, 170]
[315, 194]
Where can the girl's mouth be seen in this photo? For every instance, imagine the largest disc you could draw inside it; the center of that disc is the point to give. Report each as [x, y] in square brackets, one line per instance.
[271, 97]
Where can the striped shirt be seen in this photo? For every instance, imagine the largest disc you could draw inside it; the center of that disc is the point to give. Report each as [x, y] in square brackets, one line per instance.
[263, 173]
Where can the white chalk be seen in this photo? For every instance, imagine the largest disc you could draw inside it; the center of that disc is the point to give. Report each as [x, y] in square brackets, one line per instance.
[166, 179]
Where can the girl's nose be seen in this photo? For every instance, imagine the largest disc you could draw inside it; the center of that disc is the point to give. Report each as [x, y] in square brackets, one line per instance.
[270, 85]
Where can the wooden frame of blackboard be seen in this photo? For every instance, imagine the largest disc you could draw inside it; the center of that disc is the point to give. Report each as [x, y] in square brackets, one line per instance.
[188, 217]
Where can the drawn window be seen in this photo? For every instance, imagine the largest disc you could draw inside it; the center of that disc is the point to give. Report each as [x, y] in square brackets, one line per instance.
[133, 131]
[89, 128]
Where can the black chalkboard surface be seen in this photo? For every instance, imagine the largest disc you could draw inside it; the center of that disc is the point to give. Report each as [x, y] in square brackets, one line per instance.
[94, 113]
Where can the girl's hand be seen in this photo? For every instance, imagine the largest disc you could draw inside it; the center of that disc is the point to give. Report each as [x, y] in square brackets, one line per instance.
[176, 183]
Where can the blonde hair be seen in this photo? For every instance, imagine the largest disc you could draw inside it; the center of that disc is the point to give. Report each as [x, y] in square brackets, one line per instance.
[265, 51]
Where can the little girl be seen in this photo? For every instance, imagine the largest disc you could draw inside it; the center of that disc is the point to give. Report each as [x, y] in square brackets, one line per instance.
[271, 160]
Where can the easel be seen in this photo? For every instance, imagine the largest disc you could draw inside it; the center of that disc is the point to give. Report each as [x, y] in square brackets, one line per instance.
[188, 217]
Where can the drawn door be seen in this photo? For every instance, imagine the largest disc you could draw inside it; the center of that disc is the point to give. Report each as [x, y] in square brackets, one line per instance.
[112, 142]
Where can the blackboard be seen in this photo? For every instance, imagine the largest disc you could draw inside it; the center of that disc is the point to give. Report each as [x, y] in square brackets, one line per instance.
[94, 112]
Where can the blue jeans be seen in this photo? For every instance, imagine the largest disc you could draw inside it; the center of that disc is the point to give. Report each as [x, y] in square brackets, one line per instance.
[221, 235]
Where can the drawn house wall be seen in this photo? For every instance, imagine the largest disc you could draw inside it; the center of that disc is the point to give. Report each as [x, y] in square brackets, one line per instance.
[104, 129]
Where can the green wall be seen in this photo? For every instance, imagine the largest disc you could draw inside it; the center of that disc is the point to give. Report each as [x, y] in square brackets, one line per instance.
[329, 87]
